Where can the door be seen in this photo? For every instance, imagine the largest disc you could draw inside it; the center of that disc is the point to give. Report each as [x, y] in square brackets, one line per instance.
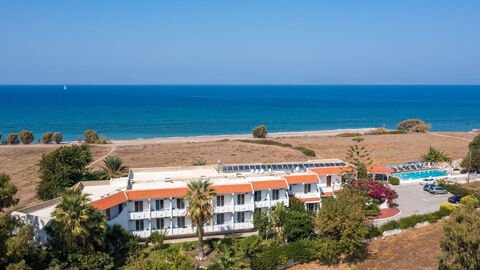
[329, 181]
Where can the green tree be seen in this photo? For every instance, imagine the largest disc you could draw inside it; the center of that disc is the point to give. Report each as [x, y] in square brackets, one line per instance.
[200, 208]
[117, 242]
[57, 137]
[260, 132]
[263, 222]
[460, 242]
[297, 225]
[12, 139]
[21, 246]
[77, 226]
[472, 159]
[62, 168]
[47, 137]
[359, 158]
[90, 261]
[342, 221]
[413, 125]
[26, 136]
[114, 168]
[434, 155]
[156, 239]
[228, 257]
[7, 192]
[91, 136]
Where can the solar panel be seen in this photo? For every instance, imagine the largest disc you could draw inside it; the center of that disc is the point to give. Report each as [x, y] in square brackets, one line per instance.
[263, 167]
[337, 164]
[331, 164]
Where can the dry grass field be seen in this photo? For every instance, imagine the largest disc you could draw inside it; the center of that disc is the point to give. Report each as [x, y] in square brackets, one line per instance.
[414, 249]
[19, 161]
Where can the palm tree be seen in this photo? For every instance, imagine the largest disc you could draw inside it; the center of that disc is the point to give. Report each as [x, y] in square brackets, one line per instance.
[76, 224]
[434, 155]
[200, 208]
[114, 167]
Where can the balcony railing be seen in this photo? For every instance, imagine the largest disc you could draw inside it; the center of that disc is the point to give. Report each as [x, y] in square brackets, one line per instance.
[227, 208]
[244, 207]
[139, 215]
[160, 213]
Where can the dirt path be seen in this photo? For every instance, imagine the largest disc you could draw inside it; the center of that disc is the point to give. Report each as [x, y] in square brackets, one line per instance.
[451, 137]
[98, 160]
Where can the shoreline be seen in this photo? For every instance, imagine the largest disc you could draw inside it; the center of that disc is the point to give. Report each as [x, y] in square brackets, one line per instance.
[246, 136]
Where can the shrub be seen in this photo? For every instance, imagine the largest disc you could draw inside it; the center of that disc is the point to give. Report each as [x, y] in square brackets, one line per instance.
[447, 207]
[270, 259]
[469, 199]
[26, 136]
[57, 137]
[12, 139]
[411, 221]
[413, 125]
[101, 140]
[260, 132]
[90, 136]
[199, 163]
[301, 250]
[377, 131]
[47, 137]
[349, 134]
[97, 260]
[456, 188]
[306, 151]
[394, 181]
[396, 132]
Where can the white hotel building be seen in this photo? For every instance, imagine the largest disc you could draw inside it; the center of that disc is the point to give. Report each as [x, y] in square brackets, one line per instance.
[152, 199]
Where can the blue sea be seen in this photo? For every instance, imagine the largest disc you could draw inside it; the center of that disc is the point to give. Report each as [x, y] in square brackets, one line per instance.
[127, 112]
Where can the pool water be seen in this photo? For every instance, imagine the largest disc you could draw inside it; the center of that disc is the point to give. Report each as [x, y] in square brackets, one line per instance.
[420, 175]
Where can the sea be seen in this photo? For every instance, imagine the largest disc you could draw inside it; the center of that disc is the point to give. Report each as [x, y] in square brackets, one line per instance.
[147, 111]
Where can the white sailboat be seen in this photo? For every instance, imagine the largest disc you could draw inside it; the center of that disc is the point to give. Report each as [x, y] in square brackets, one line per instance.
[64, 87]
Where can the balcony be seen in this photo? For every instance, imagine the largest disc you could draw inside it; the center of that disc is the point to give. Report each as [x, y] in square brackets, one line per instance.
[227, 208]
[139, 215]
[180, 231]
[178, 212]
[302, 195]
[244, 207]
[141, 234]
[281, 200]
[261, 204]
[160, 213]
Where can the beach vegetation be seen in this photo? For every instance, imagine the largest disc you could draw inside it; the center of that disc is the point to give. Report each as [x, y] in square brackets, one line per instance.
[260, 132]
[199, 162]
[113, 167]
[90, 136]
[459, 243]
[200, 208]
[305, 151]
[349, 134]
[47, 137]
[12, 139]
[359, 158]
[57, 137]
[414, 126]
[378, 131]
[101, 140]
[61, 169]
[434, 155]
[26, 136]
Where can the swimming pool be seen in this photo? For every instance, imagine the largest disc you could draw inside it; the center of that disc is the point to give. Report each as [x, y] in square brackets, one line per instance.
[420, 175]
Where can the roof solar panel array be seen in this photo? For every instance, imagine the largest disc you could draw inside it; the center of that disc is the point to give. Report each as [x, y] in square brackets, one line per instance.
[277, 167]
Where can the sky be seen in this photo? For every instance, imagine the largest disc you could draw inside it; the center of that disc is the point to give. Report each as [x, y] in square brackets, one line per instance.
[239, 42]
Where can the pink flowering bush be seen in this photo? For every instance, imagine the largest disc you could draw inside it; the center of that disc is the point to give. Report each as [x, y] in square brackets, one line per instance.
[377, 191]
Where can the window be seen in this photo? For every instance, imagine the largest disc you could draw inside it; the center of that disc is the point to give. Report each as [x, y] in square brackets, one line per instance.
[240, 217]
[312, 206]
[181, 222]
[160, 223]
[307, 188]
[139, 225]
[107, 213]
[258, 196]
[138, 206]
[220, 200]
[241, 199]
[275, 194]
[159, 205]
[220, 218]
[180, 204]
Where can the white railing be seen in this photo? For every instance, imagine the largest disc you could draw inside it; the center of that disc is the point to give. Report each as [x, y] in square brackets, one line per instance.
[178, 212]
[307, 195]
[261, 204]
[142, 234]
[180, 231]
[227, 208]
[160, 213]
[139, 215]
[243, 225]
[244, 207]
[282, 200]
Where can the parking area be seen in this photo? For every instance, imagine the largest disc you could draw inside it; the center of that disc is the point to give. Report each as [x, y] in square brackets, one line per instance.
[413, 200]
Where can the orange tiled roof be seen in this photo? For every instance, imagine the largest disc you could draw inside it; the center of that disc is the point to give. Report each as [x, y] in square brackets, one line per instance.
[110, 201]
[305, 178]
[331, 170]
[156, 193]
[327, 194]
[225, 189]
[314, 199]
[379, 169]
[269, 184]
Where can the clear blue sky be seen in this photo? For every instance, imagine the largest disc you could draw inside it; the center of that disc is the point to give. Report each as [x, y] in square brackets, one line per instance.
[240, 42]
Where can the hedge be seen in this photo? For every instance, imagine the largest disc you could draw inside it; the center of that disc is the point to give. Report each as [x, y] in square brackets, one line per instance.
[411, 221]
[394, 181]
[298, 251]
